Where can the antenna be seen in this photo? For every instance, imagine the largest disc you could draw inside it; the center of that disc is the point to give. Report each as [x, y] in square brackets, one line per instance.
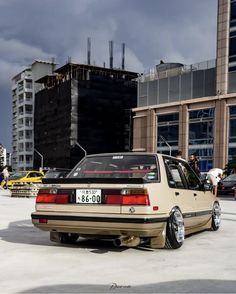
[123, 56]
[111, 53]
[89, 50]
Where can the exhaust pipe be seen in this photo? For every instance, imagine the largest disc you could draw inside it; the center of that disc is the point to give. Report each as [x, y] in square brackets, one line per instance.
[129, 241]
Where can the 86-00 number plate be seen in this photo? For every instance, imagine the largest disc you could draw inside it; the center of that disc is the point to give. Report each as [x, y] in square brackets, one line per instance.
[88, 196]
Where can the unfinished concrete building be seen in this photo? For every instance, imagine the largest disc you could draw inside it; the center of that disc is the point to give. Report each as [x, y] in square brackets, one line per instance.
[83, 105]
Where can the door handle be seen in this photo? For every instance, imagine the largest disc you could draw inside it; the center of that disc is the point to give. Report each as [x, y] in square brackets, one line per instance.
[176, 193]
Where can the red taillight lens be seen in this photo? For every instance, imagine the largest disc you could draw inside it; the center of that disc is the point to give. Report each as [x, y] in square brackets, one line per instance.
[46, 198]
[128, 199]
[62, 198]
[52, 198]
[113, 199]
[135, 200]
[43, 221]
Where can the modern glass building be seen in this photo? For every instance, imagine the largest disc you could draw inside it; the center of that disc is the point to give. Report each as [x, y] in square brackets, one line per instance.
[192, 108]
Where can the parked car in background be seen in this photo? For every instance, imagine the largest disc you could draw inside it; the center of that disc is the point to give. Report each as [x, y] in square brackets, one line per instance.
[227, 185]
[54, 173]
[23, 177]
[128, 197]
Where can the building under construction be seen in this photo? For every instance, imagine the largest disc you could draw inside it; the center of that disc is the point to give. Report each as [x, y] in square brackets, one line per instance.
[83, 105]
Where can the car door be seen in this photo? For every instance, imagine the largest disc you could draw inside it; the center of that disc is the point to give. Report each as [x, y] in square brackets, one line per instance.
[182, 197]
[202, 201]
[33, 177]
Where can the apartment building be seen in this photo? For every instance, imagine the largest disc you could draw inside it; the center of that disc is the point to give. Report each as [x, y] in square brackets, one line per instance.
[3, 156]
[23, 92]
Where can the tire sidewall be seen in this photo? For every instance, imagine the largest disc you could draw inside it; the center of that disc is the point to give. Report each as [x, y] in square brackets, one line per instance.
[170, 231]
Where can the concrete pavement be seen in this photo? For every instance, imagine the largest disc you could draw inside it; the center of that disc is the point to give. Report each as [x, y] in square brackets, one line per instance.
[30, 263]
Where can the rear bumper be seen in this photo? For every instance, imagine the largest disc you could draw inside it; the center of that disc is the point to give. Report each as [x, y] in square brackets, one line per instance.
[148, 226]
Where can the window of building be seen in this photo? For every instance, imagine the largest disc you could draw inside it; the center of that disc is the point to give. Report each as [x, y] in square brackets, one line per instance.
[28, 109]
[28, 121]
[201, 136]
[232, 133]
[28, 84]
[28, 134]
[28, 96]
[167, 132]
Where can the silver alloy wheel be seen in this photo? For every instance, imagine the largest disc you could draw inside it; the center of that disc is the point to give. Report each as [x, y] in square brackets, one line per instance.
[216, 214]
[178, 225]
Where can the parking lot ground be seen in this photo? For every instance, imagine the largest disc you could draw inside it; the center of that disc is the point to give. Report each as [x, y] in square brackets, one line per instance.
[30, 263]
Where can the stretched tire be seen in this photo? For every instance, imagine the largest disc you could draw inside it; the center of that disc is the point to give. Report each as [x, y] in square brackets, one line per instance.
[216, 219]
[69, 238]
[175, 230]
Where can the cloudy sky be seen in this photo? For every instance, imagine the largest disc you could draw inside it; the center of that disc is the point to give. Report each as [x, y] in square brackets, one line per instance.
[171, 30]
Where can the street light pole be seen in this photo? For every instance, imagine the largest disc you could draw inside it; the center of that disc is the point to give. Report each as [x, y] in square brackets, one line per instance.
[78, 144]
[40, 156]
[164, 140]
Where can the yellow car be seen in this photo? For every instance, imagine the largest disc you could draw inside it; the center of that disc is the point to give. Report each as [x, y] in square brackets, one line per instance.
[23, 177]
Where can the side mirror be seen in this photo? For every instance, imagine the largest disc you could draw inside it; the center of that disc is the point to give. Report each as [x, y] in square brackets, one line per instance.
[207, 187]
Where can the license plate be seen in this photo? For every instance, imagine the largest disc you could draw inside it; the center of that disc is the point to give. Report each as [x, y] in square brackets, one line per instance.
[88, 196]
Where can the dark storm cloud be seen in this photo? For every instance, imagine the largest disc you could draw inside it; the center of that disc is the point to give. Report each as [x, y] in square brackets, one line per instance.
[173, 30]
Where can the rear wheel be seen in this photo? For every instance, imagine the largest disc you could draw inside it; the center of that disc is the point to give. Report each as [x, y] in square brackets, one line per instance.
[216, 212]
[69, 238]
[175, 230]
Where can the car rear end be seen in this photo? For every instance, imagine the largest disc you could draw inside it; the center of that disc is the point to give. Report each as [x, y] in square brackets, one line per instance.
[109, 195]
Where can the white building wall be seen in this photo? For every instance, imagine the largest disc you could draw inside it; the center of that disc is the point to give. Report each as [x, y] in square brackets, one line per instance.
[23, 92]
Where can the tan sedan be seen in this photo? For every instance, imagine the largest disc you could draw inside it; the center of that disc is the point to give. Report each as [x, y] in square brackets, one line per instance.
[128, 197]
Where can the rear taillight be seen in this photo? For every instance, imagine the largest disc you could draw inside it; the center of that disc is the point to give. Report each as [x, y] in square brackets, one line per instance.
[52, 198]
[129, 197]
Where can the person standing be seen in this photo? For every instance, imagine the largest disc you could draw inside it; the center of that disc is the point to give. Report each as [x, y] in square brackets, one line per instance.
[194, 163]
[179, 155]
[214, 175]
[5, 173]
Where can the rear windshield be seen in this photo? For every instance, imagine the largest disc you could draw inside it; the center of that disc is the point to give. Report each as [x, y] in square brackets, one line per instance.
[117, 166]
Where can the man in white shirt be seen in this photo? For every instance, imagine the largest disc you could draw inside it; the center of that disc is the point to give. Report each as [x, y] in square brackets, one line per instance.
[214, 176]
[5, 173]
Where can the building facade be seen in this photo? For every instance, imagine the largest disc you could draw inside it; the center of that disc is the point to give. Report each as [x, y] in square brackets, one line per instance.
[83, 105]
[192, 108]
[23, 92]
[3, 156]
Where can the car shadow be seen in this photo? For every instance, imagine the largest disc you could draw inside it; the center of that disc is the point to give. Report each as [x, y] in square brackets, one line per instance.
[23, 232]
[180, 286]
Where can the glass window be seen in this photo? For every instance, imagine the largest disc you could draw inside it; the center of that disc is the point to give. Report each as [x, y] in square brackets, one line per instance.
[117, 166]
[168, 130]
[201, 113]
[174, 117]
[232, 46]
[174, 89]
[163, 90]
[174, 174]
[198, 83]
[201, 136]
[233, 11]
[201, 126]
[152, 93]
[191, 178]
[169, 133]
[186, 86]
[201, 133]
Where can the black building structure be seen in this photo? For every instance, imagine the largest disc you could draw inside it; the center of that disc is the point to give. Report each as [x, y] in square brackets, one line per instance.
[83, 105]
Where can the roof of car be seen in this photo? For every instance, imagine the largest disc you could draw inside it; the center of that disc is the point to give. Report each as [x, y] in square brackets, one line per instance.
[125, 153]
